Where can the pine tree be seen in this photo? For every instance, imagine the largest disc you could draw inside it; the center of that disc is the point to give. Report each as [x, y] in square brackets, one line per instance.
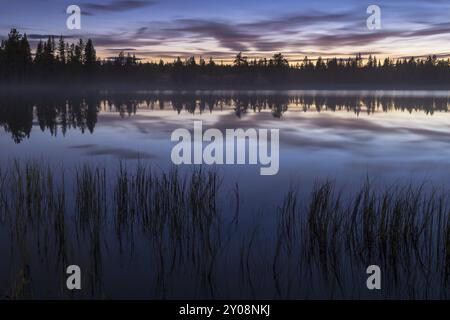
[62, 50]
[39, 56]
[70, 53]
[90, 57]
[16, 55]
[49, 51]
[78, 52]
[202, 62]
[240, 60]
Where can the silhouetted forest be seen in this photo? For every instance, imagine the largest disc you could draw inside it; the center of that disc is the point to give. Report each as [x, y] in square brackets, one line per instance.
[56, 61]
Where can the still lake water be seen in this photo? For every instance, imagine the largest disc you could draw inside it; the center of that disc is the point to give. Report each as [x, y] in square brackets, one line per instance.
[389, 136]
[322, 134]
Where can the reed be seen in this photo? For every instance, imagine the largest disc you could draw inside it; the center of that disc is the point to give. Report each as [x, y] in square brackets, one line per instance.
[318, 245]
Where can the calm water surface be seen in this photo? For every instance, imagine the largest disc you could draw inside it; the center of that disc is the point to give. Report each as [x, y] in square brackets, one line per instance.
[344, 136]
[322, 134]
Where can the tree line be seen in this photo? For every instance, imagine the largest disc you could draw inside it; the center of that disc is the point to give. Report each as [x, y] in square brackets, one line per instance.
[56, 60]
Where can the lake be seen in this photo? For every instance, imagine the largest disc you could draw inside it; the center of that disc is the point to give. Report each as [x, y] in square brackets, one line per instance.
[140, 227]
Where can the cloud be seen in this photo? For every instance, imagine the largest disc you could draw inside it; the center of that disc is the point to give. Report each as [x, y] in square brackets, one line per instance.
[310, 29]
[120, 49]
[287, 33]
[348, 38]
[116, 6]
[261, 35]
[121, 153]
[120, 40]
[284, 33]
[280, 33]
[431, 30]
[353, 39]
[228, 35]
[291, 22]
[315, 33]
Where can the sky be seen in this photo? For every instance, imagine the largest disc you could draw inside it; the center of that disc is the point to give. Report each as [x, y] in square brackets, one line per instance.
[155, 29]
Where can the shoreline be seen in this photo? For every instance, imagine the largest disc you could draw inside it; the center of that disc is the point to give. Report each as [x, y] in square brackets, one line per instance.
[114, 87]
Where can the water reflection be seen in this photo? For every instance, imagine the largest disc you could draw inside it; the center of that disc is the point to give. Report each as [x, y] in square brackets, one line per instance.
[59, 113]
[53, 114]
[140, 231]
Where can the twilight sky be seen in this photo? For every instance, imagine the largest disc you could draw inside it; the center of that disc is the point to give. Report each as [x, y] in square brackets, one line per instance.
[154, 29]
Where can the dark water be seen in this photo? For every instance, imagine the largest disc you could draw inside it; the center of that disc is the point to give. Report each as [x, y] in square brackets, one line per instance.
[399, 138]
